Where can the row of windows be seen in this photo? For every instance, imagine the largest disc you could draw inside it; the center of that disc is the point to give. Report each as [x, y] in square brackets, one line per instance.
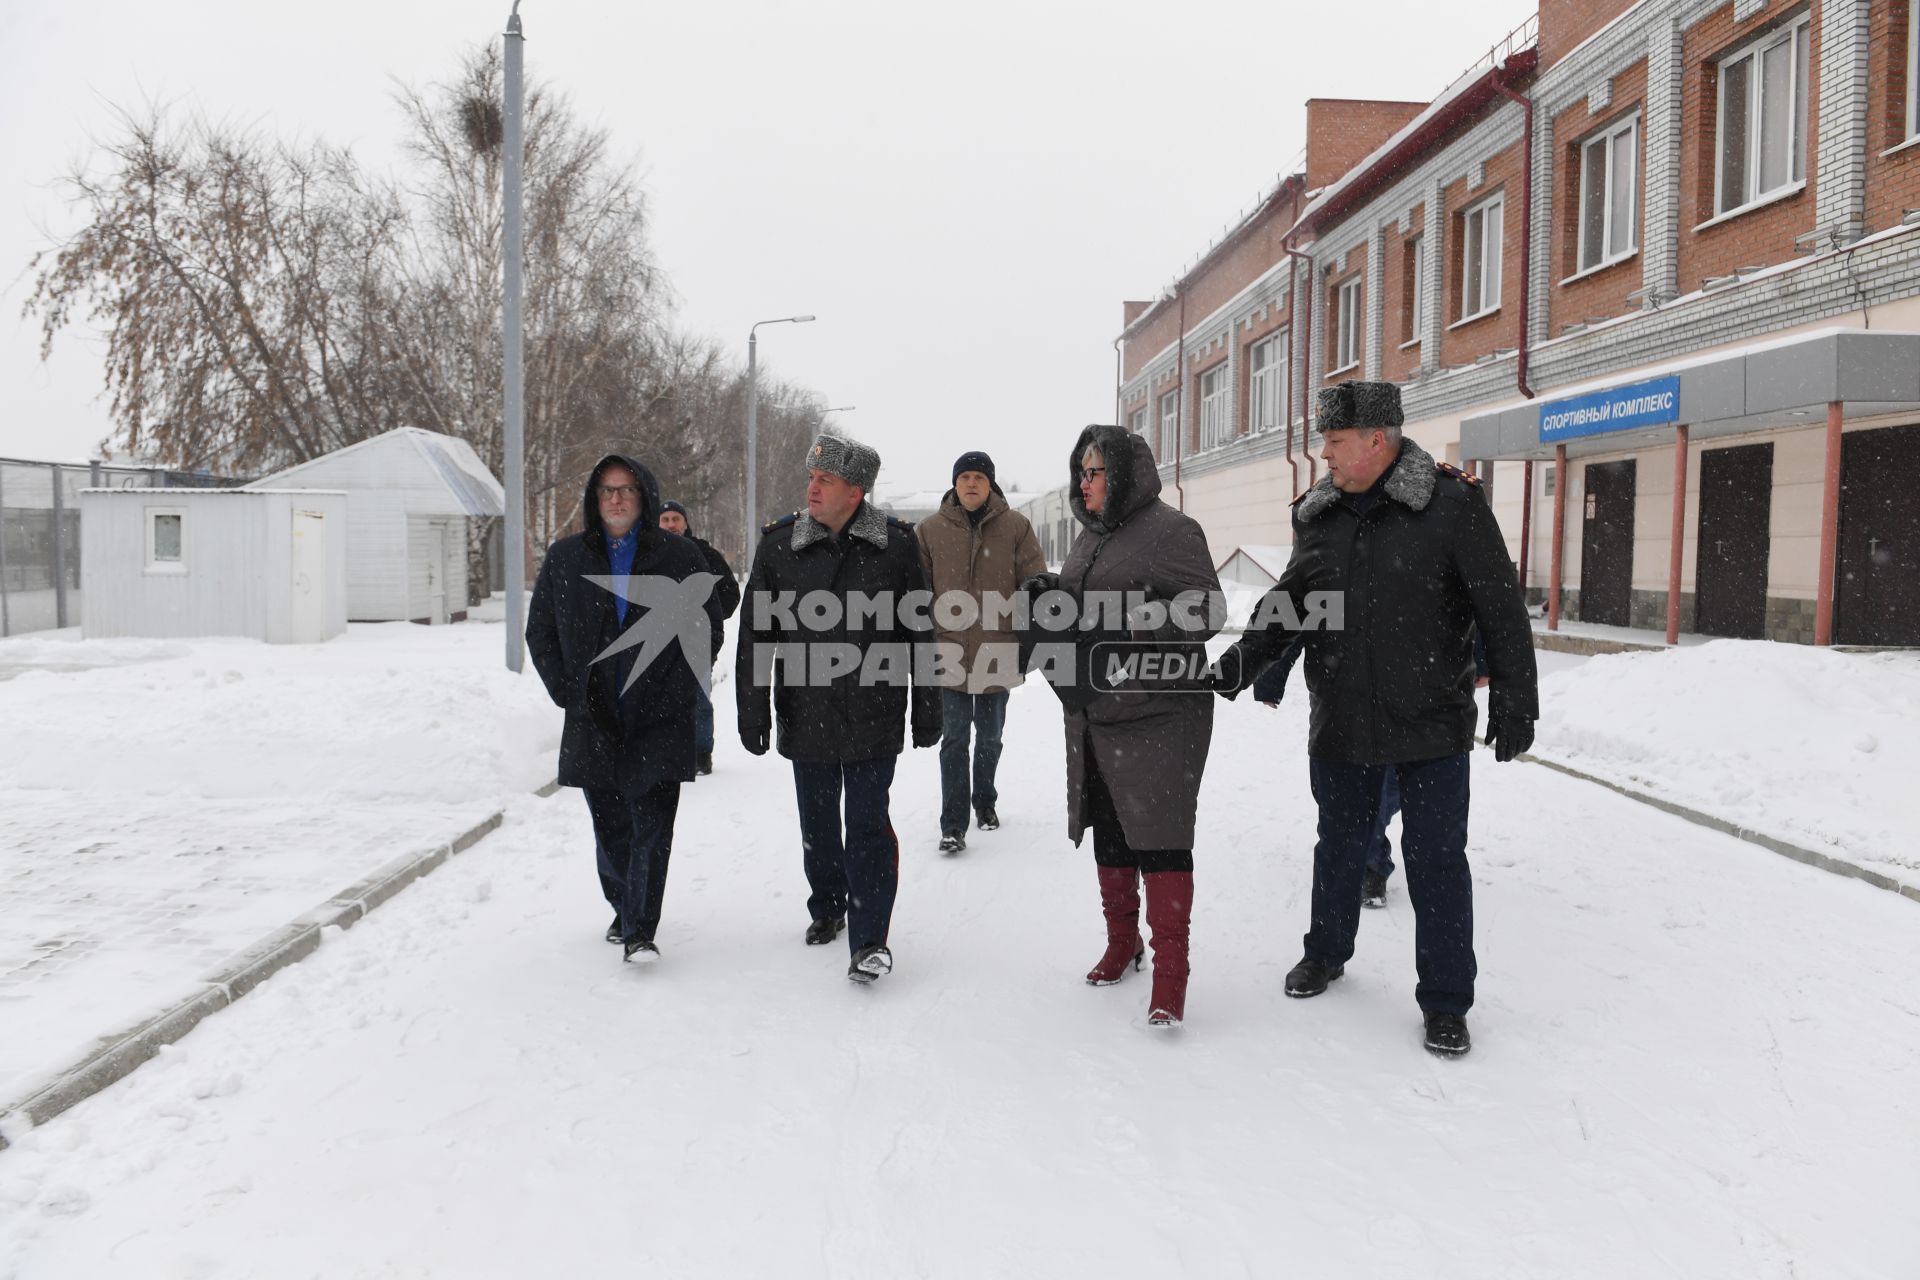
[1760, 154]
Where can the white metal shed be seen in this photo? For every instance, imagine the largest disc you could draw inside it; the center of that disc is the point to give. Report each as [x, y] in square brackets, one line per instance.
[410, 495]
[266, 564]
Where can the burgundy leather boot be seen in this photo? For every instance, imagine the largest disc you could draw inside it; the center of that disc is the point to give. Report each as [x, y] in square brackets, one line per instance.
[1120, 900]
[1169, 908]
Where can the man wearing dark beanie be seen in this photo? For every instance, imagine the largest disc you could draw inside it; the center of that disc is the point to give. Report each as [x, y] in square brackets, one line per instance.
[975, 545]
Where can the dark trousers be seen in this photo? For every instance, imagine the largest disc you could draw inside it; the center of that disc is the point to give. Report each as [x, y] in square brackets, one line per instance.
[985, 714]
[1380, 849]
[633, 841]
[1110, 847]
[853, 871]
[1433, 843]
[703, 722]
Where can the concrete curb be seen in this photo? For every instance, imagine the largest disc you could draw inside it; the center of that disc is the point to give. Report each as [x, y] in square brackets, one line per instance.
[114, 1057]
[1811, 857]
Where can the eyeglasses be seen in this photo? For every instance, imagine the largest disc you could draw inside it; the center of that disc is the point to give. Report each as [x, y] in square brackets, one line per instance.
[1089, 474]
[619, 491]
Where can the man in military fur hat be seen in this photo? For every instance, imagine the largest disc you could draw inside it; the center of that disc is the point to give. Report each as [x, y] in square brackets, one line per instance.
[842, 727]
[1411, 547]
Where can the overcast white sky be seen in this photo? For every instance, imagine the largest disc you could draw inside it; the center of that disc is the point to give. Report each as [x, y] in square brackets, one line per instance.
[963, 194]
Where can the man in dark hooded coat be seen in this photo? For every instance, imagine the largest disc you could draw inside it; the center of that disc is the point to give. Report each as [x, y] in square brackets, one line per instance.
[628, 740]
[674, 519]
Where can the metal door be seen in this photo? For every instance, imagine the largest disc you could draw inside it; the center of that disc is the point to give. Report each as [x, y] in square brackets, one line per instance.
[1730, 573]
[1606, 544]
[1877, 595]
[437, 572]
[308, 607]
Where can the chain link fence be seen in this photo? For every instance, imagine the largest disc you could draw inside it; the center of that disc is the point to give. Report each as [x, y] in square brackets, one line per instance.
[40, 587]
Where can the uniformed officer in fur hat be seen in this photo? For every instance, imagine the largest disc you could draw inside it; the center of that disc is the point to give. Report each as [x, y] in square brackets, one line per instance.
[842, 728]
[1412, 549]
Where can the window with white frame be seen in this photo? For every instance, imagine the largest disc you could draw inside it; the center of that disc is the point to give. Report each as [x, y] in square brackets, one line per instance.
[1416, 288]
[1913, 70]
[1137, 421]
[1609, 191]
[1268, 366]
[1346, 325]
[1216, 407]
[1481, 242]
[1762, 146]
[1169, 426]
[166, 540]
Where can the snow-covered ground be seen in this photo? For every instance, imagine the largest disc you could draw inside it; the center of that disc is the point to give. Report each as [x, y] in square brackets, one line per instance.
[1810, 746]
[165, 804]
[1693, 1058]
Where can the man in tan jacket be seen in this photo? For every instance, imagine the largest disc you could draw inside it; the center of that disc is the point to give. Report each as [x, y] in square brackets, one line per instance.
[979, 548]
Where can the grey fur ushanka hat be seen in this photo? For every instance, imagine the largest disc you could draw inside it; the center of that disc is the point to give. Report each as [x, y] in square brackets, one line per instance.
[1359, 404]
[856, 463]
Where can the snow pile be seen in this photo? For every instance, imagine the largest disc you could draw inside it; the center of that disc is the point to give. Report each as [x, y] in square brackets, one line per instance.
[1807, 745]
[166, 804]
[388, 712]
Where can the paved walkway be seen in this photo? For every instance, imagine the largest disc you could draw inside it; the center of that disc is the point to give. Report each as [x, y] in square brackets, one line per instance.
[116, 909]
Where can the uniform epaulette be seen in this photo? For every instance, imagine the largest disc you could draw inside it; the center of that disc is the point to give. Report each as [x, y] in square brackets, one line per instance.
[781, 523]
[905, 526]
[1447, 468]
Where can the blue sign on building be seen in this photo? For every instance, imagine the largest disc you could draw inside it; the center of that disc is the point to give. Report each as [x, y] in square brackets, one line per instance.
[1644, 404]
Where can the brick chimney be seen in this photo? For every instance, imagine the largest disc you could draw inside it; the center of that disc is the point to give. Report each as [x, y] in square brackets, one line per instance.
[1564, 24]
[1341, 132]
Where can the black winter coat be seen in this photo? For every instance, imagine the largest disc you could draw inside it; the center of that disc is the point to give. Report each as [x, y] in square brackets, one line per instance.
[841, 720]
[636, 739]
[1420, 569]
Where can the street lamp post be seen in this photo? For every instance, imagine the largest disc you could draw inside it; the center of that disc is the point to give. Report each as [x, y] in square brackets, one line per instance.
[513, 352]
[750, 500]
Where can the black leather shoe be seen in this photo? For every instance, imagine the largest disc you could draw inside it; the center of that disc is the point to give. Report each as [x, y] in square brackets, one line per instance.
[703, 764]
[1447, 1035]
[823, 931]
[986, 819]
[1310, 977]
[1373, 890]
[613, 931]
[641, 950]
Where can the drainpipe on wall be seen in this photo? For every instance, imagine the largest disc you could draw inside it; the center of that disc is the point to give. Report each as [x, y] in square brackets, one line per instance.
[1180, 406]
[1526, 520]
[1293, 319]
[1116, 380]
[1526, 224]
[1306, 429]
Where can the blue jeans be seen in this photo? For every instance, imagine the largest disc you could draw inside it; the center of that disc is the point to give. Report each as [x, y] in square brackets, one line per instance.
[633, 842]
[852, 871]
[986, 715]
[702, 721]
[1434, 798]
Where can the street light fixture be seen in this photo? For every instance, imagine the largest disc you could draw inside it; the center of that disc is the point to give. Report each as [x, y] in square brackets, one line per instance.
[749, 502]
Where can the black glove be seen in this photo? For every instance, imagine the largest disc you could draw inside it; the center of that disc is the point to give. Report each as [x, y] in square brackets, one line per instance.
[1224, 676]
[755, 738]
[1509, 736]
[926, 737]
[1040, 584]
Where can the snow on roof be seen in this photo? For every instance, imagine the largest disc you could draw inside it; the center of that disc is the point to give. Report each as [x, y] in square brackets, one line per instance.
[1270, 557]
[188, 491]
[450, 459]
